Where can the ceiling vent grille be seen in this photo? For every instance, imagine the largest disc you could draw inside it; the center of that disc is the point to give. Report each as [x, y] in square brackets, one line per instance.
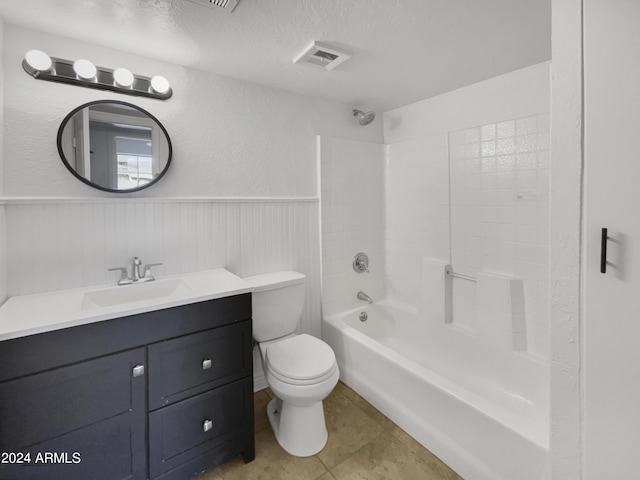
[322, 55]
[223, 5]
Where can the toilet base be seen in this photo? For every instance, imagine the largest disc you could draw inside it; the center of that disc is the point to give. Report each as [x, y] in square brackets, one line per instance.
[301, 431]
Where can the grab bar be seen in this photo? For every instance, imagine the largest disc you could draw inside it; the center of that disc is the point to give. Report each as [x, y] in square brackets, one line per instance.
[451, 273]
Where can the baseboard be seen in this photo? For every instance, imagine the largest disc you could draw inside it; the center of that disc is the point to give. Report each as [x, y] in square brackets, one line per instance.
[259, 381]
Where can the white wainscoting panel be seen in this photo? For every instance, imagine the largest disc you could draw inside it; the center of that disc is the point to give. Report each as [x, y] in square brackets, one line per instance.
[55, 244]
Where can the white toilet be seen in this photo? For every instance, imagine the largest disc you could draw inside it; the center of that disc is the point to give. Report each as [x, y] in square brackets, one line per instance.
[300, 369]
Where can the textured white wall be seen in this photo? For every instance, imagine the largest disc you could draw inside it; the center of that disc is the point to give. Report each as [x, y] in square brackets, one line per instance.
[230, 138]
[565, 239]
[233, 142]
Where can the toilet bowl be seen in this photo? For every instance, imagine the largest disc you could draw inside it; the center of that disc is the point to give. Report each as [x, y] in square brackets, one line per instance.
[301, 370]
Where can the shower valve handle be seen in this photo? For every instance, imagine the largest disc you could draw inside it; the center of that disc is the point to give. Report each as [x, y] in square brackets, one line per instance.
[361, 263]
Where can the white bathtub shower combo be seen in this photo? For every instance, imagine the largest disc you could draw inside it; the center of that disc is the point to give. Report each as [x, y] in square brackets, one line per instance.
[481, 410]
[452, 210]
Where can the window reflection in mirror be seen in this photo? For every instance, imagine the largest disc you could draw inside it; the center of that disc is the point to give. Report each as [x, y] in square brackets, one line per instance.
[114, 146]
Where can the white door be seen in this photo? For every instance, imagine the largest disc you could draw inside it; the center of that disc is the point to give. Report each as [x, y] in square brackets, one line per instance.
[611, 317]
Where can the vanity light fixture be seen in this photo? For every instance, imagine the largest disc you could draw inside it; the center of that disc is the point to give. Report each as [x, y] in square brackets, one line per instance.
[38, 60]
[160, 84]
[123, 77]
[84, 69]
[84, 73]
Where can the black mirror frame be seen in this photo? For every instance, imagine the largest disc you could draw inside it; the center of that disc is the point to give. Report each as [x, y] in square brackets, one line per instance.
[94, 185]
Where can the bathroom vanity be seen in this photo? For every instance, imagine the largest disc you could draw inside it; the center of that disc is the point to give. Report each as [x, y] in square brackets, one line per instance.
[164, 393]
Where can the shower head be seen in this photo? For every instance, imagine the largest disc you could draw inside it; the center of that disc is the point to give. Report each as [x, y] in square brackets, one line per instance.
[364, 118]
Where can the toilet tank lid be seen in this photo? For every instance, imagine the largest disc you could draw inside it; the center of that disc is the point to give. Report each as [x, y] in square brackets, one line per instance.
[269, 281]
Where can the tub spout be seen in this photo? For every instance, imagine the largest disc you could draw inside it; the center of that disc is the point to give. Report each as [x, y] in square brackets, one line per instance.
[365, 297]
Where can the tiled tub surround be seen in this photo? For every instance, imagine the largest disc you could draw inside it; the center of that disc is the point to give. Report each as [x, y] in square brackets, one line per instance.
[352, 206]
[416, 213]
[500, 216]
[482, 410]
[480, 204]
[476, 199]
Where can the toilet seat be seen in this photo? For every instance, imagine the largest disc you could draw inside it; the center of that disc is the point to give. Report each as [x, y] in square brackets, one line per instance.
[301, 382]
[300, 360]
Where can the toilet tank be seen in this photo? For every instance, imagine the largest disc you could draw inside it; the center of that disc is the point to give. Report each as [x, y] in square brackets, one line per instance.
[277, 300]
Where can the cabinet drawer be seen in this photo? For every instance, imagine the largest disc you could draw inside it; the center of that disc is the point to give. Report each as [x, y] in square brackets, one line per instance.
[181, 432]
[76, 344]
[185, 366]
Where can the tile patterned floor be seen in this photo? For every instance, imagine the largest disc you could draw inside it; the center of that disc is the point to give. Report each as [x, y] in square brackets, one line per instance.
[363, 445]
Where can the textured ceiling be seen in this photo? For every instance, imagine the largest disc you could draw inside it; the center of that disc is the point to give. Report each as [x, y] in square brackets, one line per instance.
[403, 50]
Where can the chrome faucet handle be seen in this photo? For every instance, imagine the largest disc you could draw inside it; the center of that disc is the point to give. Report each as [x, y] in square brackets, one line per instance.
[124, 275]
[147, 270]
[361, 263]
[362, 266]
[135, 269]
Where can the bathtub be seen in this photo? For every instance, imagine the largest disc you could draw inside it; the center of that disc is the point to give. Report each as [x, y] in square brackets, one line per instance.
[483, 411]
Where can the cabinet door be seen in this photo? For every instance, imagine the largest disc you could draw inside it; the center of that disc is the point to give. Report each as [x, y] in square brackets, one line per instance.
[185, 366]
[83, 421]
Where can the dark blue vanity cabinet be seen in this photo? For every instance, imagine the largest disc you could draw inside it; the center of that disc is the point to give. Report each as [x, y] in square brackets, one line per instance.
[160, 395]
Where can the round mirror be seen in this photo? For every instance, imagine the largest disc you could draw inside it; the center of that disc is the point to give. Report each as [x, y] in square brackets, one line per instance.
[114, 146]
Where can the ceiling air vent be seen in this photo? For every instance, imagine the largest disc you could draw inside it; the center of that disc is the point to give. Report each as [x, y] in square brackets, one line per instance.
[224, 5]
[322, 55]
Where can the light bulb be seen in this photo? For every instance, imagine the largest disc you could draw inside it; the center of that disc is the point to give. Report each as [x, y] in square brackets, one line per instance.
[38, 60]
[85, 69]
[160, 84]
[123, 77]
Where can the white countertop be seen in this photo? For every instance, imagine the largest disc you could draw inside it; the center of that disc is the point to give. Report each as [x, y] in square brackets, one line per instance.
[44, 312]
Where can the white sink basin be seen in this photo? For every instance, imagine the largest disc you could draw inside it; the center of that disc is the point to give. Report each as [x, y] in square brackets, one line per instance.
[24, 315]
[156, 290]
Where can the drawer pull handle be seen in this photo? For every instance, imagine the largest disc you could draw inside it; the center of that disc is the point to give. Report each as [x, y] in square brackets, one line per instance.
[138, 370]
[206, 364]
[207, 425]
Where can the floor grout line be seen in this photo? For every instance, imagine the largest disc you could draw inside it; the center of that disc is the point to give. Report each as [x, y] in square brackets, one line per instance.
[382, 433]
[384, 430]
[356, 452]
[323, 464]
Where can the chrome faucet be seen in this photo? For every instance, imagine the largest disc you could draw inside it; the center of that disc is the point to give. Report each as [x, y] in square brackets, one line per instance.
[135, 269]
[365, 297]
[135, 277]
